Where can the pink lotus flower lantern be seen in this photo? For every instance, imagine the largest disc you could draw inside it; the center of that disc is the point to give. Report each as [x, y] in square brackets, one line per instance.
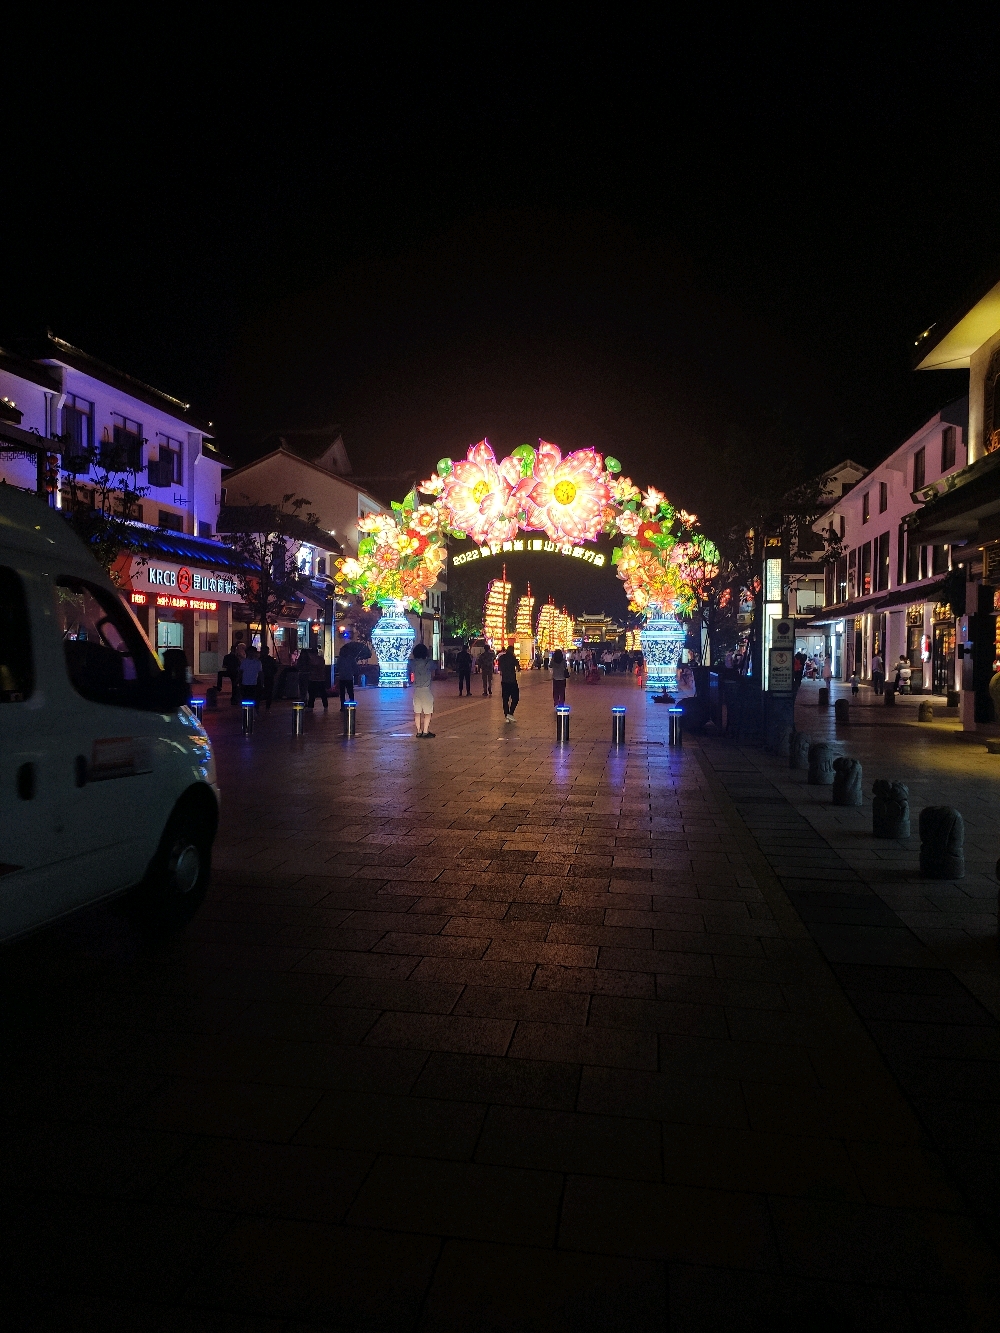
[478, 493]
[565, 497]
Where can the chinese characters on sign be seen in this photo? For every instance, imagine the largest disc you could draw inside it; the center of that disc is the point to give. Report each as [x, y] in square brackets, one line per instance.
[595, 558]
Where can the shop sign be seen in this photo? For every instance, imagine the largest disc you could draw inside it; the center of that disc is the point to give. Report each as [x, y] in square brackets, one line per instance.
[595, 558]
[779, 676]
[175, 603]
[915, 614]
[996, 599]
[190, 580]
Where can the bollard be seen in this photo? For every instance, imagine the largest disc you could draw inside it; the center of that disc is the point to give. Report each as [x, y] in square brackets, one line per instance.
[562, 724]
[350, 718]
[798, 754]
[249, 709]
[211, 698]
[942, 838]
[847, 782]
[890, 694]
[821, 765]
[675, 736]
[925, 713]
[618, 725]
[298, 713]
[890, 810]
[823, 698]
[198, 707]
[842, 711]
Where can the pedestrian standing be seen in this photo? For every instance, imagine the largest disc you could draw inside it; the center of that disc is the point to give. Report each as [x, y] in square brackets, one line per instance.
[558, 677]
[315, 677]
[346, 659]
[421, 669]
[878, 674]
[464, 664]
[509, 689]
[486, 660]
[827, 672]
[231, 670]
[268, 675]
[250, 674]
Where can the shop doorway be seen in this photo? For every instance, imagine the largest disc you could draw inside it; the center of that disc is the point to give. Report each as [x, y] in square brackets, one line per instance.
[943, 659]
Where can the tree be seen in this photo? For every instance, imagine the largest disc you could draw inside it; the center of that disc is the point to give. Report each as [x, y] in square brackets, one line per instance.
[104, 510]
[463, 617]
[268, 538]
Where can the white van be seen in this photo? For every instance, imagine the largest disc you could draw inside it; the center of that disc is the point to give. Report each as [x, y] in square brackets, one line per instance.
[107, 781]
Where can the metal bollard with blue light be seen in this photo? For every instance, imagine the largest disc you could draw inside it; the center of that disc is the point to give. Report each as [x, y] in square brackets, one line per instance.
[562, 724]
[249, 711]
[198, 707]
[298, 713]
[675, 717]
[618, 724]
[350, 718]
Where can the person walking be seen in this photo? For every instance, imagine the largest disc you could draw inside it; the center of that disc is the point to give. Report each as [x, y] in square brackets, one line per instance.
[878, 674]
[346, 659]
[250, 674]
[509, 689]
[421, 668]
[268, 675]
[558, 667]
[855, 683]
[464, 664]
[487, 658]
[314, 676]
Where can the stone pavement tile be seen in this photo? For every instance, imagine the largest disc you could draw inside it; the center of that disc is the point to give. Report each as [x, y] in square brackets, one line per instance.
[594, 981]
[471, 907]
[474, 972]
[930, 1079]
[98, 1160]
[501, 1081]
[442, 1032]
[549, 1006]
[554, 955]
[343, 1276]
[807, 1025]
[643, 1220]
[422, 1126]
[610, 934]
[702, 1057]
[718, 990]
[958, 1041]
[584, 1045]
[349, 1068]
[402, 996]
[491, 1288]
[468, 1200]
[432, 946]
[47, 1310]
[903, 1176]
[644, 1015]
[861, 1114]
[286, 1020]
[487, 927]
[358, 964]
[267, 1179]
[719, 1157]
[571, 1141]
[670, 1098]
[380, 922]
[239, 1110]
[122, 1248]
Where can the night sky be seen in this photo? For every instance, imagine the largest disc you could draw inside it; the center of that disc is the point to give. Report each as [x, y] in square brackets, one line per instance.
[663, 242]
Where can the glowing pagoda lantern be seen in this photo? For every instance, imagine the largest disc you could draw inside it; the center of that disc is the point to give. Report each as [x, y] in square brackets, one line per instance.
[495, 612]
[547, 627]
[564, 630]
[522, 629]
[662, 640]
[392, 639]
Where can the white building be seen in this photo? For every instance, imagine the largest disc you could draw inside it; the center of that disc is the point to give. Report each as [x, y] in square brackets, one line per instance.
[883, 595]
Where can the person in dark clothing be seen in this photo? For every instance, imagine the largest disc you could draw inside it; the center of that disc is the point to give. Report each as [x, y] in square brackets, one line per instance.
[486, 660]
[269, 674]
[346, 659]
[558, 677]
[464, 664]
[314, 673]
[509, 690]
[230, 669]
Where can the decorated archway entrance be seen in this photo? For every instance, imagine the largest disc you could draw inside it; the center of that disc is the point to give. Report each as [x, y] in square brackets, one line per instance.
[660, 553]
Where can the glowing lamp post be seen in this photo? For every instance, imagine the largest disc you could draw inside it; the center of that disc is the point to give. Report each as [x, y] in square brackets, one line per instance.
[662, 640]
[392, 639]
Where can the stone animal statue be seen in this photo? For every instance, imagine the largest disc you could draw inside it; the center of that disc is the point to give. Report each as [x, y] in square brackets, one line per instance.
[890, 809]
[847, 782]
[942, 842]
[798, 754]
[821, 764]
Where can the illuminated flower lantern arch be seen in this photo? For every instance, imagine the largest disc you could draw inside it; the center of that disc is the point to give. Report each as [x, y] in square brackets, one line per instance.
[573, 498]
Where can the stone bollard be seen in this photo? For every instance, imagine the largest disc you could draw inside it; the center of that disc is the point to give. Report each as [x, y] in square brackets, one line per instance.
[842, 711]
[211, 698]
[890, 810]
[823, 698]
[925, 713]
[821, 764]
[847, 782]
[798, 755]
[942, 838]
[890, 694]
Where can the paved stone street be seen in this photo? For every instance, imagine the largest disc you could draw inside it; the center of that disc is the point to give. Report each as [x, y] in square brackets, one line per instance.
[474, 1033]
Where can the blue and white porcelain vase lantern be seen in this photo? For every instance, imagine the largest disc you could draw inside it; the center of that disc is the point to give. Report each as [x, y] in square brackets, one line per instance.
[662, 638]
[392, 639]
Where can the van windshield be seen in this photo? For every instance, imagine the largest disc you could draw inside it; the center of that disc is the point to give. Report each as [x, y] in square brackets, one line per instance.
[107, 659]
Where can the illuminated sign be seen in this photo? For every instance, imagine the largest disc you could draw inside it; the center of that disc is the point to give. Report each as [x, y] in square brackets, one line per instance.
[175, 603]
[589, 557]
[772, 580]
[190, 580]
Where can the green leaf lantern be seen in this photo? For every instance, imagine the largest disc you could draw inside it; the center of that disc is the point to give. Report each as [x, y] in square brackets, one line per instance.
[525, 455]
[613, 466]
[444, 467]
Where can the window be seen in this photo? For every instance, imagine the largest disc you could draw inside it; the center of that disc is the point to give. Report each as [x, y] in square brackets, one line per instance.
[122, 453]
[919, 469]
[865, 569]
[840, 589]
[168, 519]
[852, 574]
[948, 448]
[912, 560]
[77, 429]
[843, 526]
[171, 460]
[204, 529]
[900, 556]
[882, 563]
[17, 674]
[883, 496]
[939, 559]
[107, 658]
[866, 506]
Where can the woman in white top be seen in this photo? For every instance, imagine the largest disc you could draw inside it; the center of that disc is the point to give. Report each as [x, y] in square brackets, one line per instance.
[422, 672]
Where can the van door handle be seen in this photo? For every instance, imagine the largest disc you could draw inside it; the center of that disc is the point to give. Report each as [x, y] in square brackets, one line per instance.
[80, 770]
[26, 782]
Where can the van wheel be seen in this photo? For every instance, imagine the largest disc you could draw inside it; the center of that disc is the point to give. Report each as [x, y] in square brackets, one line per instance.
[177, 879]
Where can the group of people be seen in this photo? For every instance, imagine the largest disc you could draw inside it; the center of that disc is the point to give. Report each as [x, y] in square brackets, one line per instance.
[255, 674]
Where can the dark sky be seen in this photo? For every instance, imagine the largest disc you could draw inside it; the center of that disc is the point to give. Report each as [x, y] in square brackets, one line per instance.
[655, 239]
